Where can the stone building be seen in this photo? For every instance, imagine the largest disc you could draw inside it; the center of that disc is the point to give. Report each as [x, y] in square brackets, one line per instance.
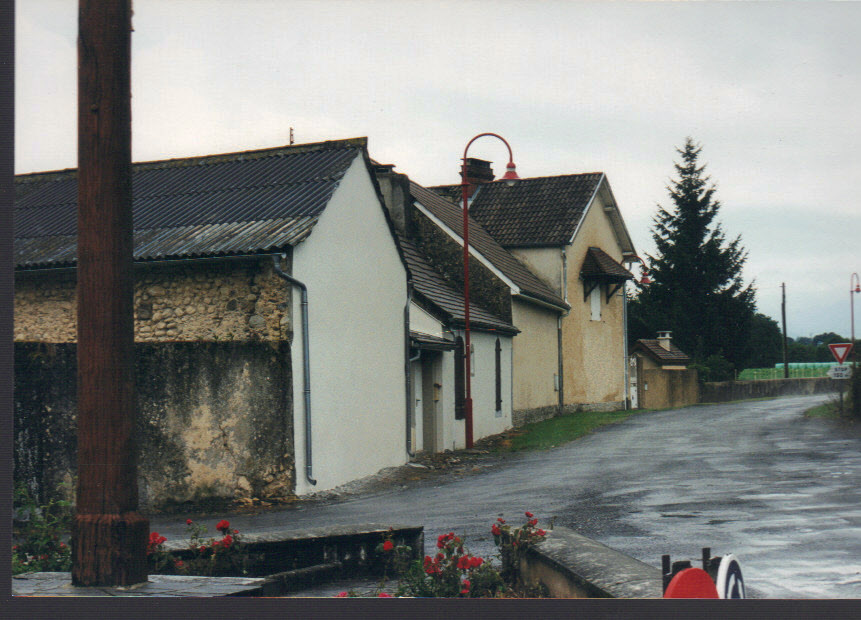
[230, 251]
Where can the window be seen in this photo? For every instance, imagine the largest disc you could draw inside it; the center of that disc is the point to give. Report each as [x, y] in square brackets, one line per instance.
[595, 300]
[459, 379]
[498, 376]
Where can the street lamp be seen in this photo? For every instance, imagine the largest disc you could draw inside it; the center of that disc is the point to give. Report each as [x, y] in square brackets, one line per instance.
[852, 290]
[510, 178]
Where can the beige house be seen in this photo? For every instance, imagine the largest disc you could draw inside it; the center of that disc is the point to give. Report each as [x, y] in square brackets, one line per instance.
[660, 377]
[568, 231]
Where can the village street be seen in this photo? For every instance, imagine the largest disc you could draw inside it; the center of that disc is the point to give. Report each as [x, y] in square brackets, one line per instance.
[751, 478]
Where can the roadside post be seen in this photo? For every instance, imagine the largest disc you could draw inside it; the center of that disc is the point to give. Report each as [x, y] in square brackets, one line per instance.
[840, 351]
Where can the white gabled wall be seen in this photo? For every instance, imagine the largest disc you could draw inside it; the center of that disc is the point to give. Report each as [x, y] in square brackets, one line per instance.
[485, 420]
[356, 296]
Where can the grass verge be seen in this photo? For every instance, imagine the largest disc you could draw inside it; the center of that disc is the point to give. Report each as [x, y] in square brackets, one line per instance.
[557, 431]
[826, 410]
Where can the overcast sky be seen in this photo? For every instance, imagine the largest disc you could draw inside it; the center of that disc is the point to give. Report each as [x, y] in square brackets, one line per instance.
[770, 90]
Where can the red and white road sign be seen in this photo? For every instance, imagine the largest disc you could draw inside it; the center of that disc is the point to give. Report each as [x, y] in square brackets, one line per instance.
[840, 351]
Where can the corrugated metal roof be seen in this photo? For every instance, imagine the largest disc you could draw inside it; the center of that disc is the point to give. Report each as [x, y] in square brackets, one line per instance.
[235, 203]
[433, 287]
[534, 212]
[479, 238]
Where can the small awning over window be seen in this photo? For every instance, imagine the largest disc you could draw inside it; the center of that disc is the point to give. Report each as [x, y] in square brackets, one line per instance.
[430, 343]
[600, 268]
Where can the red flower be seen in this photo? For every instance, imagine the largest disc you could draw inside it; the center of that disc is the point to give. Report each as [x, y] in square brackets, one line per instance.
[226, 541]
[465, 587]
[223, 525]
[235, 531]
[475, 562]
[501, 520]
[388, 545]
[533, 522]
[202, 548]
[384, 595]
[463, 563]
[188, 521]
[341, 595]
[541, 532]
[529, 515]
[178, 564]
[495, 530]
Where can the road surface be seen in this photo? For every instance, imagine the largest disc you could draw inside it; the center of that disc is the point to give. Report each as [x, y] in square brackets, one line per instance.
[755, 479]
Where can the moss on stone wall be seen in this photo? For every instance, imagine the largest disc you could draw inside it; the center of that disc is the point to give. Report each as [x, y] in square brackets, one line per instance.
[446, 255]
[213, 420]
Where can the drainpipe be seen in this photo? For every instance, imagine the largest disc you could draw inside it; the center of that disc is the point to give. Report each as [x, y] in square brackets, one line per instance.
[625, 343]
[409, 369]
[559, 352]
[306, 365]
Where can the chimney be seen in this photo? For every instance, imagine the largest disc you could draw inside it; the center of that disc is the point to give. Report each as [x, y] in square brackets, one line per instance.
[395, 188]
[477, 171]
[664, 339]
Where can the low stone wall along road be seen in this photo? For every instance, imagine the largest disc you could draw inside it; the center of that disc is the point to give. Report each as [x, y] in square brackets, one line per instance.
[755, 479]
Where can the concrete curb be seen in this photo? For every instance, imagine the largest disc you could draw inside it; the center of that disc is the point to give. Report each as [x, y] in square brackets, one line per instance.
[573, 566]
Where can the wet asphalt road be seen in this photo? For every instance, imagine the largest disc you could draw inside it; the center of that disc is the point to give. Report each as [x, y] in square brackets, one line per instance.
[754, 479]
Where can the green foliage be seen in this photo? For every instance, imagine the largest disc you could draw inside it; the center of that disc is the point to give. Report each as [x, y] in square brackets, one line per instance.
[697, 290]
[766, 342]
[853, 394]
[218, 556]
[562, 429]
[454, 572]
[714, 368]
[38, 534]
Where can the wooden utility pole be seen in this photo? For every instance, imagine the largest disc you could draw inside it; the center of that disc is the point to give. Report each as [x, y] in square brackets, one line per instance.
[109, 537]
[783, 316]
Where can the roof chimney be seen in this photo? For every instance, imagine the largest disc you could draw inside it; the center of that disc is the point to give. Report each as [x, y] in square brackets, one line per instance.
[395, 189]
[664, 339]
[478, 171]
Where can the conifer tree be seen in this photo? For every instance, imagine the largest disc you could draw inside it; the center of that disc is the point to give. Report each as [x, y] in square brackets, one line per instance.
[697, 290]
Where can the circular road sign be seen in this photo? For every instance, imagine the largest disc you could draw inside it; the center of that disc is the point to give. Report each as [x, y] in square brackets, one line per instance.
[729, 580]
[691, 583]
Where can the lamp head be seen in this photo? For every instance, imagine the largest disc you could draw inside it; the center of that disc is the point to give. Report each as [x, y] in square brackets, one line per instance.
[510, 177]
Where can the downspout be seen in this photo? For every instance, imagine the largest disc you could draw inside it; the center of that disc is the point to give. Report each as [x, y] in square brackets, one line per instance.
[559, 352]
[409, 369]
[306, 365]
[625, 343]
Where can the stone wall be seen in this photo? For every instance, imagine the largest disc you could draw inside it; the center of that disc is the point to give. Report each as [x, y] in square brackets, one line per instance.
[213, 420]
[207, 300]
[723, 391]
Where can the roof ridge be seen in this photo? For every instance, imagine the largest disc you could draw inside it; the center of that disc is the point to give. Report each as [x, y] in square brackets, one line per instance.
[538, 178]
[215, 158]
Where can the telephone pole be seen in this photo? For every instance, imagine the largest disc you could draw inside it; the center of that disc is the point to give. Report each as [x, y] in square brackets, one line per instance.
[783, 315]
[109, 537]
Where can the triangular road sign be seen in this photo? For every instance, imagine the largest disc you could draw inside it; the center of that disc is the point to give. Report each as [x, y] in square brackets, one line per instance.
[840, 351]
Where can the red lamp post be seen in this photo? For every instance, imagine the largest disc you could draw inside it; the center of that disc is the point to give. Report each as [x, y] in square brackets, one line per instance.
[510, 177]
[853, 279]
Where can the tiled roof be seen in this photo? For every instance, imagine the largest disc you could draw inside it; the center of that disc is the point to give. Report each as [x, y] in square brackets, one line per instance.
[600, 265]
[674, 356]
[431, 286]
[452, 216]
[536, 212]
[236, 203]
